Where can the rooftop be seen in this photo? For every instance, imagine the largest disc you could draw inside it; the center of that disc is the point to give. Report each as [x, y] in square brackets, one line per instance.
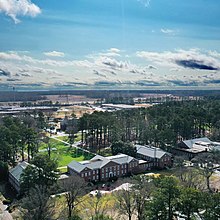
[18, 170]
[98, 162]
[150, 151]
[201, 144]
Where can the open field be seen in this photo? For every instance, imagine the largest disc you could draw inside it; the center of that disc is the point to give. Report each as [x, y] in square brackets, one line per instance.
[64, 153]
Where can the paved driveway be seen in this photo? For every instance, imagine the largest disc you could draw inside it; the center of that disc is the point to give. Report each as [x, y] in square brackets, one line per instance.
[5, 215]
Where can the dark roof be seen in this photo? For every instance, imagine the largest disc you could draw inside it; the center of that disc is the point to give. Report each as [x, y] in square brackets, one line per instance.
[18, 170]
[98, 162]
[150, 151]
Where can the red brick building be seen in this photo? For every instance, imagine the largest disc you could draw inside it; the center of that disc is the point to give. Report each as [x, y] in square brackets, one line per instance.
[157, 157]
[101, 168]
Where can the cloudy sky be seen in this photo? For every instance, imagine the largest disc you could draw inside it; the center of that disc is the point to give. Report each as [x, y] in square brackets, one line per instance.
[107, 44]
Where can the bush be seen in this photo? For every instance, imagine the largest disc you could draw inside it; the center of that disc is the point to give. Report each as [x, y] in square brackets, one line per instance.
[3, 171]
[7, 202]
[75, 217]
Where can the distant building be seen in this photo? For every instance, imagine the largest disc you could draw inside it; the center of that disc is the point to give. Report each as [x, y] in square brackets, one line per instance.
[15, 174]
[156, 157]
[193, 147]
[101, 168]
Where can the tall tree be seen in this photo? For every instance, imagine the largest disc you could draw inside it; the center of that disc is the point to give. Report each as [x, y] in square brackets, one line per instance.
[143, 188]
[165, 197]
[74, 188]
[38, 205]
[189, 202]
[126, 202]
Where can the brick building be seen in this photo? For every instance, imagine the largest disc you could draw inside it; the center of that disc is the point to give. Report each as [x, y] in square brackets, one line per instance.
[156, 157]
[101, 168]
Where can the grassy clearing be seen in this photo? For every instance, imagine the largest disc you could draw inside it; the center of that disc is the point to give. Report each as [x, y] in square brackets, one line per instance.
[62, 169]
[86, 209]
[77, 138]
[64, 153]
[106, 152]
[105, 205]
[63, 138]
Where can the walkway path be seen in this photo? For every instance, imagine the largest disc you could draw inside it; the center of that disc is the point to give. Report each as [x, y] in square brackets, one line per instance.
[5, 215]
[73, 145]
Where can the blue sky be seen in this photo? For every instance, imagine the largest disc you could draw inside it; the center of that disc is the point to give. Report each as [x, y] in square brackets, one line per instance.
[106, 44]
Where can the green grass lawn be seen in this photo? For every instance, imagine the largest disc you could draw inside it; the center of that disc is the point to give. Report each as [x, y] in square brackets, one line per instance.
[64, 154]
[106, 152]
[66, 138]
[63, 138]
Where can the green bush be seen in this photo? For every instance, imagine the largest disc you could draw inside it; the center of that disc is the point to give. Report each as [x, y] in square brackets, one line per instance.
[3, 171]
[7, 202]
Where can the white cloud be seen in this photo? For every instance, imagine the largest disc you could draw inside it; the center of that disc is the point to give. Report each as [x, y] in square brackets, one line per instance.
[114, 50]
[54, 54]
[184, 58]
[146, 3]
[111, 63]
[16, 8]
[167, 31]
[14, 56]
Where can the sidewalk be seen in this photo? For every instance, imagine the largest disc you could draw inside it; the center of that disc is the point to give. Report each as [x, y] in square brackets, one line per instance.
[5, 215]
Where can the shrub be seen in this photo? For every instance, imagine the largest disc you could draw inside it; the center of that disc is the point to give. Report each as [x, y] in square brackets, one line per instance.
[7, 202]
[3, 170]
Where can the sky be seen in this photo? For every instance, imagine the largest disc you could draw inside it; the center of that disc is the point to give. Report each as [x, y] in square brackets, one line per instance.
[109, 44]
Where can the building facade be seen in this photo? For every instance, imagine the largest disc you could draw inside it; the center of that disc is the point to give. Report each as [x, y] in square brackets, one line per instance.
[156, 157]
[101, 168]
[15, 174]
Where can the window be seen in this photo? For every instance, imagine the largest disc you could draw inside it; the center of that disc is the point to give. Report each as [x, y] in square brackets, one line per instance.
[82, 175]
[102, 176]
[89, 174]
[93, 171]
[85, 174]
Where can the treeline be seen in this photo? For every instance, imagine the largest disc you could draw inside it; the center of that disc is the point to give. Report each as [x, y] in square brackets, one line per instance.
[161, 125]
[20, 134]
[166, 198]
[145, 198]
[15, 96]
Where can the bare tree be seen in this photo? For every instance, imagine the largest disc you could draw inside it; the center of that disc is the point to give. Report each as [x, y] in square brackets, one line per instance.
[126, 202]
[207, 164]
[38, 205]
[74, 188]
[97, 206]
[191, 178]
[143, 188]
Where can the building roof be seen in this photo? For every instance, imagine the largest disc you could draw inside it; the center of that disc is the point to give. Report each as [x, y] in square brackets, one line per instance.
[78, 167]
[121, 158]
[98, 162]
[18, 170]
[200, 145]
[198, 141]
[149, 151]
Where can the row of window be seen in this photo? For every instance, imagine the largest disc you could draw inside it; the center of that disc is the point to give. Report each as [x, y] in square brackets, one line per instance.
[110, 169]
[133, 164]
